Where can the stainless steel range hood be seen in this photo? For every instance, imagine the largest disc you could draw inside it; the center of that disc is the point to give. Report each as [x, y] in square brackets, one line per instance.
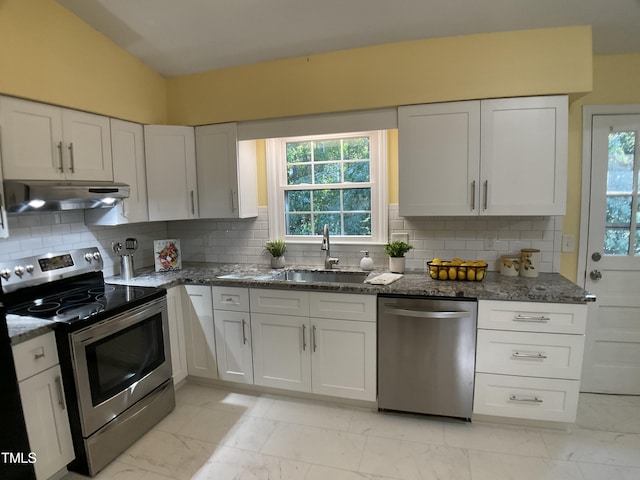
[47, 196]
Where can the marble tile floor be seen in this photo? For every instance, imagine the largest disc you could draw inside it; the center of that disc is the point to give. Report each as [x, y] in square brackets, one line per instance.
[217, 434]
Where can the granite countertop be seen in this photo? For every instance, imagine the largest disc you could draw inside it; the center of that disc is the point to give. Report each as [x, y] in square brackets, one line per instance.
[548, 287]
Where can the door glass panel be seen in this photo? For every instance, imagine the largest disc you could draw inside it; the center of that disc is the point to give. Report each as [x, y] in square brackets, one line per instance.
[622, 214]
[119, 360]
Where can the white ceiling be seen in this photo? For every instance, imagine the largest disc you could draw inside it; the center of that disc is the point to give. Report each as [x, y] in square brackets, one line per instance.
[178, 37]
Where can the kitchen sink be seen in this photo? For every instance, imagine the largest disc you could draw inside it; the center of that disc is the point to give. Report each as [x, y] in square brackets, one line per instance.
[332, 276]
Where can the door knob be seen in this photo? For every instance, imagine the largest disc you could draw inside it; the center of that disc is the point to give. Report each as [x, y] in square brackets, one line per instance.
[596, 256]
[595, 275]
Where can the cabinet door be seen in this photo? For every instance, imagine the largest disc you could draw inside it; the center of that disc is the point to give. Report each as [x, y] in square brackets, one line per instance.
[524, 156]
[32, 146]
[233, 346]
[227, 177]
[47, 421]
[87, 138]
[438, 159]
[176, 334]
[343, 359]
[199, 331]
[281, 351]
[127, 144]
[171, 172]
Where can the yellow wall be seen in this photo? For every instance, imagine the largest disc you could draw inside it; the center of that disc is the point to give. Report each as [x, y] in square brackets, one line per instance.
[530, 62]
[615, 81]
[48, 54]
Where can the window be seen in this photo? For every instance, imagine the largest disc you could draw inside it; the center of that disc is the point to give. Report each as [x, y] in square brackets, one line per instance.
[338, 180]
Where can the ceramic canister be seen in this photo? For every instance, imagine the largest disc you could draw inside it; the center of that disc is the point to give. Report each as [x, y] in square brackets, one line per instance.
[529, 262]
[510, 265]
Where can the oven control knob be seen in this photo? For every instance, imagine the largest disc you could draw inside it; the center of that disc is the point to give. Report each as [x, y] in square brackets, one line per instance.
[5, 273]
[96, 256]
[29, 268]
[19, 271]
[88, 257]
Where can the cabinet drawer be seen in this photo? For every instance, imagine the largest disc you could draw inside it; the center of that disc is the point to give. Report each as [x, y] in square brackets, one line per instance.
[532, 317]
[279, 302]
[530, 354]
[235, 299]
[525, 397]
[35, 355]
[341, 306]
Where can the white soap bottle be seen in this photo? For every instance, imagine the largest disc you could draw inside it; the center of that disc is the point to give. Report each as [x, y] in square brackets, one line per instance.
[366, 263]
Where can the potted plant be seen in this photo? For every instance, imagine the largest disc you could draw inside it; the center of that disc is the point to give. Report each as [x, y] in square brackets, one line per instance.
[276, 248]
[396, 251]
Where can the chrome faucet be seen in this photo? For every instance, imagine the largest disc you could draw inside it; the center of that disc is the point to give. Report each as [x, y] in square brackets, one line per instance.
[329, 261]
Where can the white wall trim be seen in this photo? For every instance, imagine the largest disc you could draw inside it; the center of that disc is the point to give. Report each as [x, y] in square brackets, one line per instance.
[588, 112]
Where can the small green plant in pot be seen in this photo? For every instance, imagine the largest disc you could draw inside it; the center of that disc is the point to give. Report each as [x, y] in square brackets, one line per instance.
[276, 248]
[396, 251]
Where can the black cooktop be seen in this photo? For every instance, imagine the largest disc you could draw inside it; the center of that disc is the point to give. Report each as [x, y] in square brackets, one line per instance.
[79, 302]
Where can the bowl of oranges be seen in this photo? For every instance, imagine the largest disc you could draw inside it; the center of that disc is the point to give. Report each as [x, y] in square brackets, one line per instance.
[457, 269]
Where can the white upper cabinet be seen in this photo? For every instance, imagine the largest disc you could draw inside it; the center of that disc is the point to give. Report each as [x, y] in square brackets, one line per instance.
[43, 142]
[127, 144]
[227, 177]
[489, 157]
[171, 172]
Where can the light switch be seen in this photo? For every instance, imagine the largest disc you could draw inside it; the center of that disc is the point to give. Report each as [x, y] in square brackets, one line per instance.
[568, 243]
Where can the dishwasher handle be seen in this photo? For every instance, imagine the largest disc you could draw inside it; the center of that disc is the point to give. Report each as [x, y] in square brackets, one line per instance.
[407, 312]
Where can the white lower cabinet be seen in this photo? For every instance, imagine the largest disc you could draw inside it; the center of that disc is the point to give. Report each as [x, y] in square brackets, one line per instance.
[529, 360]
[44, 404]
[281, 355]
[321, 349]
[176, 334]
[232, 322]
[199, 332]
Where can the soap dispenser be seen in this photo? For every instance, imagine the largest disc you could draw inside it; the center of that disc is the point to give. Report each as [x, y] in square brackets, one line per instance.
[366, 263]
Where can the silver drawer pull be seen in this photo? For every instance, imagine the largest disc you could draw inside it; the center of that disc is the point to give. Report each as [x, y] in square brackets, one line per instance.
[39, 354]
[528, 355]
[530, 318]
[517, 398]
[60, 392]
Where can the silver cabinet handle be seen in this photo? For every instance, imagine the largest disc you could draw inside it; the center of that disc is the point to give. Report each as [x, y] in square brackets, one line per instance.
[473, 195]
[244, 335]
[528, 355]
[530, 318]
[234, 205]
[124, 213]
[304, 337]
[486, 194]
[60, 392]
[193, 203]
[406, 312]
[38, 356]
[518, 398]
[2, 225]
[61, 168]
[72, 167]
[313, 333]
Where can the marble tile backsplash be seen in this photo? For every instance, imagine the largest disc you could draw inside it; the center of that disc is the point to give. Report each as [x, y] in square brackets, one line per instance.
[241, 241]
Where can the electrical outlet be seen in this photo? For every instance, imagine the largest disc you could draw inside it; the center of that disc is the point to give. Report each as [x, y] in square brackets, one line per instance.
[400, 237]
[489, 242]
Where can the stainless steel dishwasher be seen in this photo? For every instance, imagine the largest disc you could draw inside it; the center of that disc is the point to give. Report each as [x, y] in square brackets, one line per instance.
[426, 355]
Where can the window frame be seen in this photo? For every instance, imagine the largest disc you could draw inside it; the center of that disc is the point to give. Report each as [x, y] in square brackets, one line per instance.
[277, 185]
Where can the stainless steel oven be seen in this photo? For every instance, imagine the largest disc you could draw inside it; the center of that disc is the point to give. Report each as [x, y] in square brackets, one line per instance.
[118, 364]
[113, 345]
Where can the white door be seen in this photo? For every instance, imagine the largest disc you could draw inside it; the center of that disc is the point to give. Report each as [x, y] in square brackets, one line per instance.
[281, 351]
[233, 346]
[87, 138]
[199, 332]
[343, 359]
[612, 348]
